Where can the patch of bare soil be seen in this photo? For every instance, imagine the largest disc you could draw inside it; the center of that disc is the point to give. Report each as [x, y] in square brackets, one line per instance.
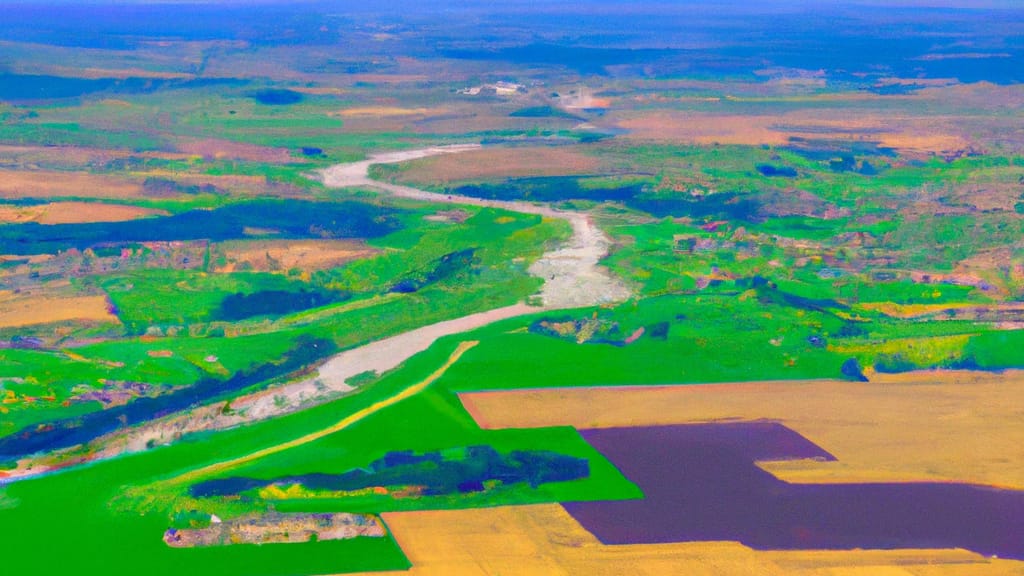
[490, 163]
[214, 148]
[29, 309]
[275, 528]
[53, 184]
[65, 157]
[74, 213]
[378, 111]
[283, 255]
[930, 135]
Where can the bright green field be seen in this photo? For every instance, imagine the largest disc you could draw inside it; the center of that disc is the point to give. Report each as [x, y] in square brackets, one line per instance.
[106, 537]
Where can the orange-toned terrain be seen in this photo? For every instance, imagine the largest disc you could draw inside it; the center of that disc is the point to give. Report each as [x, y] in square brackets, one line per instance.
[542, 540]
[283, 255]
[501, 163]
[47, 184]
[26, 310]
[69, 156]
[909, 134]
[383, 111]
[942, 118]
[74, 213]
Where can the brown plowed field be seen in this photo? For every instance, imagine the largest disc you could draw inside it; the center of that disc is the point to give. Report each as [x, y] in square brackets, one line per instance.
[309, 255]
[544, 540]
[487, 163]
[50, 184]
[925, 134]
[17, 310]
[74, 213]
[72, 156]
[216, 148]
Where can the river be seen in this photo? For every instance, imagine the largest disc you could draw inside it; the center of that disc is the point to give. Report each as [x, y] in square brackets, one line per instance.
[572, 278]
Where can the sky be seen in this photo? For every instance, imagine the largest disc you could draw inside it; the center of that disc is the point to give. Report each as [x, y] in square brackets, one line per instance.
[975, 4]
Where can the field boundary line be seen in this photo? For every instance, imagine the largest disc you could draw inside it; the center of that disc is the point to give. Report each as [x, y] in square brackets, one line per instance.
[349, 420]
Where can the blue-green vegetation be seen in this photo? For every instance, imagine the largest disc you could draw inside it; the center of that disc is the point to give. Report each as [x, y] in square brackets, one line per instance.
[276, 97]
[267, 218]
[474, 469]
[275, 302]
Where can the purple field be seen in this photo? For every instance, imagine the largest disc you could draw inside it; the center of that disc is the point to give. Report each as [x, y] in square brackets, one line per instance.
[701, 484]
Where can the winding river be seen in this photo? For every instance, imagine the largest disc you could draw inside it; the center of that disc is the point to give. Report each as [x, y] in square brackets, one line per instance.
[572, 278]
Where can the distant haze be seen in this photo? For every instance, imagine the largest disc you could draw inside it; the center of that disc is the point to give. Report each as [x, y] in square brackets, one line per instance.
[738, 5]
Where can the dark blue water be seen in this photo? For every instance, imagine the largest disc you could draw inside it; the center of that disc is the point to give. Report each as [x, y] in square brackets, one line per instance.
[771, 170]
[289, 218]
[276, 97]
[275, 302]
[18, 88]
[722, 205]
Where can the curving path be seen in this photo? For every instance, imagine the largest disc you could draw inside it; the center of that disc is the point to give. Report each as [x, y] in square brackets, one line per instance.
[572, 278]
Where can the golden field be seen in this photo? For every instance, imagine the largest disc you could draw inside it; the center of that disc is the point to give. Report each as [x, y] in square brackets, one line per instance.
[46, 184]
[543, 539]
[74, 213]
[929, 426]
[21, 310]
[308, 255]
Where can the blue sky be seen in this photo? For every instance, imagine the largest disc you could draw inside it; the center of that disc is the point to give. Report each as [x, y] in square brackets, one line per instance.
[780, 3]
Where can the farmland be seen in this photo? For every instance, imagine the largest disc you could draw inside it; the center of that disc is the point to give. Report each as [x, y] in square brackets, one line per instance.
[335, 288]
